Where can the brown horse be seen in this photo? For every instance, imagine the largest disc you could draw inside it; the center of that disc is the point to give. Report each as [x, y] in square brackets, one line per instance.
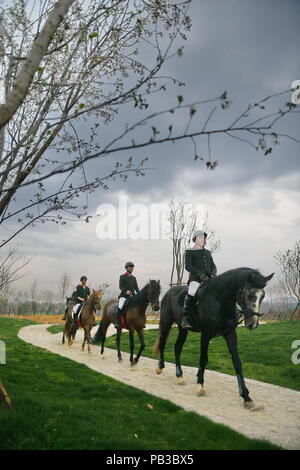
[69, 301]
[87, 319]
[135, 318]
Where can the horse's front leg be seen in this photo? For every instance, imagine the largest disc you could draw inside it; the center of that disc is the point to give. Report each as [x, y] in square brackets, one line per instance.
[178, 349]
[89, 339]
[142, 345]
[231, 340]
[131, 341]
[204, 343]
[118, 343]
[84, 340]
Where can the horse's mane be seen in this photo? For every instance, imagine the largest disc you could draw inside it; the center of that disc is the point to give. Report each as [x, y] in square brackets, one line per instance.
[136, 299]
[236, 278]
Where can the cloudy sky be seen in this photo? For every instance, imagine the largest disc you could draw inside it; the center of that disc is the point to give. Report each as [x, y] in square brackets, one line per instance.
[250, 49]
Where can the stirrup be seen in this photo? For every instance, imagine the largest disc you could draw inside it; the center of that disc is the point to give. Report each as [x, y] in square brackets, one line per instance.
[186, 324]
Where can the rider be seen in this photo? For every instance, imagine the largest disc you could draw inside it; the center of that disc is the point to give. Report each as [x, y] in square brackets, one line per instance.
[128, 285]
[80, 295]
[73, 298]
[200, 264]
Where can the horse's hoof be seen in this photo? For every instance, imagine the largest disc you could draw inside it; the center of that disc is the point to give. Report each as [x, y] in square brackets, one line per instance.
[159, 371]
[258, 408]
[102, 356]
[201, 392]
[181, 380]
[249, 405]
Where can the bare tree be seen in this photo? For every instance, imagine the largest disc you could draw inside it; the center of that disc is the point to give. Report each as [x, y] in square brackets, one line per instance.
[214, 242]
[278, 301]
[33, 291]
[64, 285]
[289, 264]
[71, 65]
[12, 268]
[183, 220]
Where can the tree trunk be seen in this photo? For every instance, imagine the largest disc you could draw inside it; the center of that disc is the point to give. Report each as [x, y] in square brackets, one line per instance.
[5, 397]
[296, 313]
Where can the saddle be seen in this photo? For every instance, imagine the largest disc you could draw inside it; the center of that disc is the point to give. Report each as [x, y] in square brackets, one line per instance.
[123, 313]
[197, 297]
[77, 314]
[124, 308]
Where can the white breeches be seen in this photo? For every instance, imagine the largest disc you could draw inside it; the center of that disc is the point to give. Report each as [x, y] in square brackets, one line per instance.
[193, 286]
[121, 301]
[75, 308]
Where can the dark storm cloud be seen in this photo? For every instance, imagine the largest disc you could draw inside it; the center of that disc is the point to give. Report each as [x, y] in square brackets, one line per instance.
[249, 49]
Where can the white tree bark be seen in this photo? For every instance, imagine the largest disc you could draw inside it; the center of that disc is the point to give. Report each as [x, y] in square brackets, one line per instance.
[39, 48]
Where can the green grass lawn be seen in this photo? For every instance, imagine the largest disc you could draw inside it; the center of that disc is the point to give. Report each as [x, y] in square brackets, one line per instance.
[61, 404]
[265, 352]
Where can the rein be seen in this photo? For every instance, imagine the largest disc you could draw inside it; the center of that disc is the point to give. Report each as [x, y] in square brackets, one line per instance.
[241, 314]
[233, 326]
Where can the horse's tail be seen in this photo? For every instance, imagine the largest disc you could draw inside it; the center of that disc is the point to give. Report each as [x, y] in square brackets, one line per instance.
[165, 324]
[63, 338]
[156, 346]
[98, 335]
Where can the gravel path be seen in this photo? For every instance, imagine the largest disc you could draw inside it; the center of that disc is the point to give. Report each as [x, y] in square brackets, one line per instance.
[276, 420]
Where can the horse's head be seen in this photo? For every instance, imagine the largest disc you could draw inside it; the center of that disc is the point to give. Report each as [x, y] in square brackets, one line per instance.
[153, 294]
[69, 301]
[96, 297]
[250, 296]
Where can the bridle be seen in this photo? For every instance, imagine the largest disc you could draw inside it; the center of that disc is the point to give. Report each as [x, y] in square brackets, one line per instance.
[245, 309]
[241, 311]
[150, 301]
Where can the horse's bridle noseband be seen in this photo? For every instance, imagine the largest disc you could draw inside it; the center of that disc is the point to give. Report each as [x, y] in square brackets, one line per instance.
[245, 309]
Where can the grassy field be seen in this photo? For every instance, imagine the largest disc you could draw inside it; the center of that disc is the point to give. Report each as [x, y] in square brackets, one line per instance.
[61, 404]
[265, 352]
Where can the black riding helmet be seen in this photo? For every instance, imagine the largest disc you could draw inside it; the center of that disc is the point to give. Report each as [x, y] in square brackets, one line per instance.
[83, 278]
[128, 264]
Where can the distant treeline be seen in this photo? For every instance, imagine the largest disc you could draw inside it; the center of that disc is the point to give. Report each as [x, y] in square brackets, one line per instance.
[32, 307]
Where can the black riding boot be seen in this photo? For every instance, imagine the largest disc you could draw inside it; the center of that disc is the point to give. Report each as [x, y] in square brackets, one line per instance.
[65, 315]
[185, 320]
[117, 322]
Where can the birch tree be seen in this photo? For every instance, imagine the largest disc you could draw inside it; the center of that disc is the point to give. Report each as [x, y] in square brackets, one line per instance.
[67, 68]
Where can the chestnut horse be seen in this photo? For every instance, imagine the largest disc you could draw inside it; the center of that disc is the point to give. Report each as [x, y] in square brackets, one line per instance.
[87, 319]
[135, 318]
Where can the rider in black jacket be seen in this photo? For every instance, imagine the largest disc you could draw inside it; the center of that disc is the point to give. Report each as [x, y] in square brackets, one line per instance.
[80, 296]
[128, 285]
[200, 264]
